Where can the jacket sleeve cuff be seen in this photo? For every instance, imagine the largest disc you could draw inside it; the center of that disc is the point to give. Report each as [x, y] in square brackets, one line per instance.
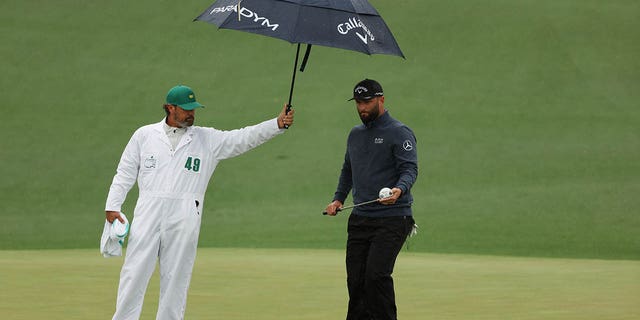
[403, 188]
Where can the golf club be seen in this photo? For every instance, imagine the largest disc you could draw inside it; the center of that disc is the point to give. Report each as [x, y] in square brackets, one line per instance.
[353, 206]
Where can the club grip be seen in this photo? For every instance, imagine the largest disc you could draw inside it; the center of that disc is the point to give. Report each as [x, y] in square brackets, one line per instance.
[337, 210]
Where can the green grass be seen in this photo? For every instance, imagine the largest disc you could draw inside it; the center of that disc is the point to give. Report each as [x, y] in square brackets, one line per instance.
[307, 284]
[526, 114]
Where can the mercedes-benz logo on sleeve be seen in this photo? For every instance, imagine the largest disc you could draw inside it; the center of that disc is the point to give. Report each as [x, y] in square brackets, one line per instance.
[407, 145]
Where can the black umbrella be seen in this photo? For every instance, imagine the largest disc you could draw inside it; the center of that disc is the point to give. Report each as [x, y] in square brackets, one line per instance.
[347, 24]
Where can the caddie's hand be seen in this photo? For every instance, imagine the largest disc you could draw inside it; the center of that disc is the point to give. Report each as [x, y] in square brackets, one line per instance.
[332, 208]
[284, 118]
[395, 195]
[113, 215]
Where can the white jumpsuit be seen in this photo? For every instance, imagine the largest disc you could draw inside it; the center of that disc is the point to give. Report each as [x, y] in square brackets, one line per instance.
[166, 220]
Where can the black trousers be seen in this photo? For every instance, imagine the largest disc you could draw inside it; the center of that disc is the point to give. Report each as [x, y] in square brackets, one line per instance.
[372, 247]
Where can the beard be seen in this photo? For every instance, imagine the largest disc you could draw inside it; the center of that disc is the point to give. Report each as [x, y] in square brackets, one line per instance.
[367, 117]
[186, 122]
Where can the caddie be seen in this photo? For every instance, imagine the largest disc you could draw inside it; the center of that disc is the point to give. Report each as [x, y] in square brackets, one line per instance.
[172, 162]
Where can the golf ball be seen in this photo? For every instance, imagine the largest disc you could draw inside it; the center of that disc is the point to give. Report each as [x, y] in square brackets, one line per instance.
[385, 193]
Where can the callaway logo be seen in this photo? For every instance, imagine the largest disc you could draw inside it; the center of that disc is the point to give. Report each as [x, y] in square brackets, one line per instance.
[244, 12]
[360, 89]
[407, 146]
[355, 23]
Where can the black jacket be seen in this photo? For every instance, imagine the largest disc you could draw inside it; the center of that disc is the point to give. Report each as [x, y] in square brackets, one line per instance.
[380, 154]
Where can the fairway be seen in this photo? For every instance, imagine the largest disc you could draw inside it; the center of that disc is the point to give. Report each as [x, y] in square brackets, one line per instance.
[279, 284]
[526, 115]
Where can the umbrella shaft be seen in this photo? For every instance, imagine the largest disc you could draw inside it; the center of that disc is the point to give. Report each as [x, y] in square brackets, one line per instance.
[293, 77]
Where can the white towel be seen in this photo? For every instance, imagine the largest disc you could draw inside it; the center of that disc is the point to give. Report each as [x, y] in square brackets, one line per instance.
[113, 236]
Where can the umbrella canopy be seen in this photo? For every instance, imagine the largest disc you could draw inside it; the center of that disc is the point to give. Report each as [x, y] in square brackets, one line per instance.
[347, 24]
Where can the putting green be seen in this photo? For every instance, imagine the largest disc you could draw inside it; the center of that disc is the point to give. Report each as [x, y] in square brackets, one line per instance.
[309, 284]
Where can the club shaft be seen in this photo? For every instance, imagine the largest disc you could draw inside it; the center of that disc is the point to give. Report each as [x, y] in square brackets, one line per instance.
[359, 204]
[353, 206]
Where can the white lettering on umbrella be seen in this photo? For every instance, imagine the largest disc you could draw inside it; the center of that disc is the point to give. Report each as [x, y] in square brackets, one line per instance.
[247, 13]
[355, 23]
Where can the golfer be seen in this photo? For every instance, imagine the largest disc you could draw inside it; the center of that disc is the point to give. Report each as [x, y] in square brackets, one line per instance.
[172, 161]
[381, 152]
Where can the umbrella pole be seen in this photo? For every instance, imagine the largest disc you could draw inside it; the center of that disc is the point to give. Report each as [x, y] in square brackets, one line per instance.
[293, 78]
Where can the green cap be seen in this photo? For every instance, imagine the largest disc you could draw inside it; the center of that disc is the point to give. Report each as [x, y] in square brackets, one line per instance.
[183, 97]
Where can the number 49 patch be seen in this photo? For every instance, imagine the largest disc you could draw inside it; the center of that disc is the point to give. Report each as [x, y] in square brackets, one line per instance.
[192, 164]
